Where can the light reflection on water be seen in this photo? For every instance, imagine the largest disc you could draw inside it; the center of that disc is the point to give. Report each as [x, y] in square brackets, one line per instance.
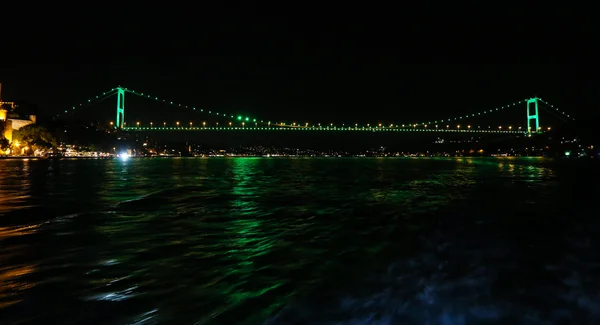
[231, 241]
[12, 274]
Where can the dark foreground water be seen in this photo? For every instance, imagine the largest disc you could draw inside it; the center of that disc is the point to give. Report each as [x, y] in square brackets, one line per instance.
[300, 241]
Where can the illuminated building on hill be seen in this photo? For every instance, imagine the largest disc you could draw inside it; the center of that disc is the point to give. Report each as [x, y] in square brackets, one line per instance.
[12, 120]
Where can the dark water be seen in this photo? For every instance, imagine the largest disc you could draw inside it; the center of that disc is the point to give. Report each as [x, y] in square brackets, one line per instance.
[300, 241]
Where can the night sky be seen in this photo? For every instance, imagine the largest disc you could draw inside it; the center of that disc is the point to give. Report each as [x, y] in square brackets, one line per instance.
[301, 65]
[352, 87]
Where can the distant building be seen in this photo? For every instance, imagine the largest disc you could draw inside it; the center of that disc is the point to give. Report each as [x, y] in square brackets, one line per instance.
[12, 121]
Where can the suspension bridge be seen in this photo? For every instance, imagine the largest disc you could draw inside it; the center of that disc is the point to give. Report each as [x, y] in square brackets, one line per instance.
[530, 124]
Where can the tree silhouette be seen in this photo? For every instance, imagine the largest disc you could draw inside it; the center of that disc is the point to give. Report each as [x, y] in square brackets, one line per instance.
[34, 136]
[4, 143]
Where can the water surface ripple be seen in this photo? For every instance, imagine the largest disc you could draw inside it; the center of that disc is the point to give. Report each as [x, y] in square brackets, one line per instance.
[299, 241]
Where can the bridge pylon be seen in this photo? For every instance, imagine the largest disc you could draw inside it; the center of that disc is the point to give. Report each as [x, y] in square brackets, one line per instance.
[532, 114]
[120, 108]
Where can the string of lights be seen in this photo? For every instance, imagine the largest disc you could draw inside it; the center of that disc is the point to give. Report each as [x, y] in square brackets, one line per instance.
[431, 124]
[557, 109]
[460, 117]
[310, 128]
[90, 101]
[175, 104]
[309, 125]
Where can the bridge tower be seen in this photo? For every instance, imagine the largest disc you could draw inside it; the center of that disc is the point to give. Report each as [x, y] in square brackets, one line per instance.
[532, 114]
[120, 108]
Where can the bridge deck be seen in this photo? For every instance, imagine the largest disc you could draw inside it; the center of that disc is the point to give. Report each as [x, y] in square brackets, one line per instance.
[353, 129]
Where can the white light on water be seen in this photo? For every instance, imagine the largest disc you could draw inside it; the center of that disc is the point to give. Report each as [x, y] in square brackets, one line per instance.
[124, 156]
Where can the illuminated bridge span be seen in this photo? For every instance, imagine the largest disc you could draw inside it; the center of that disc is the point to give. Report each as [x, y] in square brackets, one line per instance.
[234, 122]
[311, 128]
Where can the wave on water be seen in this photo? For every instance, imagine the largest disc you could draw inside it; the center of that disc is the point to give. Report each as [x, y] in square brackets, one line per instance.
[150, 200]
[450, 285]
[172, 195]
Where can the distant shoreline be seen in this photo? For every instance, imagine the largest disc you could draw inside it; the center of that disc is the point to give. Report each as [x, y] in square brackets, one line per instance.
[44, 158]
[19, 157]
[226, 157]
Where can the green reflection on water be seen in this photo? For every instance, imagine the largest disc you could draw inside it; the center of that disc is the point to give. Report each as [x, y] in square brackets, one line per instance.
[204, 238]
